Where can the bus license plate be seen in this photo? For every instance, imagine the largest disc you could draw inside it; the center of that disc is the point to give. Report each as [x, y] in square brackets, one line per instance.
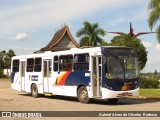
[125, 93]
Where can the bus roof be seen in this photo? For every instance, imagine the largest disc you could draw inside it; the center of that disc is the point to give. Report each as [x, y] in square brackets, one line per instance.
[71, 51]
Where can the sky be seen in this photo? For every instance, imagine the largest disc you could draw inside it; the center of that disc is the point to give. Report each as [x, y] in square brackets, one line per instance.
[28, 25]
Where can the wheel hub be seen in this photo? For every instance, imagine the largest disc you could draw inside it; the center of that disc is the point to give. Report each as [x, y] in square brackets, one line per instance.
[84, 95]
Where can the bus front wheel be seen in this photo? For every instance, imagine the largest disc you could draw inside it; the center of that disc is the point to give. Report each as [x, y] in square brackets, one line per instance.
[83, 95]
[34, 91]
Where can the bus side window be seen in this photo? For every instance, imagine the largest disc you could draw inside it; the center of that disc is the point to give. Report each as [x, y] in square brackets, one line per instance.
[45, 69]
[65, 63]
[23, 69]
[55, 68]
[15, 67]
[30, 64]
[81, 62]
[38, 64]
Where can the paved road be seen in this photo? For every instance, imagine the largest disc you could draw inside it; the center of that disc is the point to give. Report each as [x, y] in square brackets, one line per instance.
[11, 100]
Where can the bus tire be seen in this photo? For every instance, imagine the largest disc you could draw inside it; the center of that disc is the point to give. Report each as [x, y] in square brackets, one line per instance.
[83, 95]
[113, 100]
[34, 91]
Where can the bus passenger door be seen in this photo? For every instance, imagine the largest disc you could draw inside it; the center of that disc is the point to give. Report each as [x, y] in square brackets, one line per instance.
[96, 79]
[46, 74]
[22, 75]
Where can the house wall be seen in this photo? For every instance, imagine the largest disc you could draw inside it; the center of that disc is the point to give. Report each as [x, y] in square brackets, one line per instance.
[5, 71]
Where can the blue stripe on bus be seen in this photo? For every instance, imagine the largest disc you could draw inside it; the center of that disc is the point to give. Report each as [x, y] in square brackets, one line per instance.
[78, 78]
[12, 77]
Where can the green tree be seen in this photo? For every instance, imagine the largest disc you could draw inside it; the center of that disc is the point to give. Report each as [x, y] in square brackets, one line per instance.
[2, 56]
[103, 43]
[155, 72]
[90, 34]
[154, 16]
[5, 60]
[127, 40]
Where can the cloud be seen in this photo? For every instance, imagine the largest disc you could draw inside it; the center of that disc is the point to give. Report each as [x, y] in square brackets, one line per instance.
[2, 36]
[151, 65]
[158, 47]
[138, 14]
[147, 44]
[21, 36]
[151, 45]
[153, 60]
[27, 49]
[27, 15]
[117, 21]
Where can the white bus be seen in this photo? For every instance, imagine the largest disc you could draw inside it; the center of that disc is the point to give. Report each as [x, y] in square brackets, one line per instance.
[101, 72]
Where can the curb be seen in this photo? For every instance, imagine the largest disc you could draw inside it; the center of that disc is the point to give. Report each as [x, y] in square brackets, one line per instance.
[137, 97]
[145, 98]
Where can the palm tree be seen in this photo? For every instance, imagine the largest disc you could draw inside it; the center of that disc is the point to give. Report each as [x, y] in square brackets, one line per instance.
[154, 16]
[90, 34]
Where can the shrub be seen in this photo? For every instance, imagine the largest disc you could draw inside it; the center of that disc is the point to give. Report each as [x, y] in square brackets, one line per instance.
[1, 73]
[149, 83]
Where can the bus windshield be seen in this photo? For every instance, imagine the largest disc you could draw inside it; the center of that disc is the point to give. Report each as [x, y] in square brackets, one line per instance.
[121, 64]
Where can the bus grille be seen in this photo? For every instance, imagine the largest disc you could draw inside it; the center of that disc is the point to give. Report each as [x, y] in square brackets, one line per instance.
[124, 94]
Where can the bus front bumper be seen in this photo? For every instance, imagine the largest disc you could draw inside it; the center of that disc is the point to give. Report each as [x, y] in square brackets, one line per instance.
[106, 93]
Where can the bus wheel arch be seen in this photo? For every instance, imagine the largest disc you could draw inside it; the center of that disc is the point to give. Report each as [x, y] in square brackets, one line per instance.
[82, 94]
[34, 90]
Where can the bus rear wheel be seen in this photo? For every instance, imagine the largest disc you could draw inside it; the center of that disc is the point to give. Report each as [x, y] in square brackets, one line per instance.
[83, 95]
[34, 91]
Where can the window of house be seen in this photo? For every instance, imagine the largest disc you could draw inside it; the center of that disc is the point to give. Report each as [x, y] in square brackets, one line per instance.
[15, 66]
[38, 63]
[30, 64]
[65, 63]
[81, 62]
[55, 68]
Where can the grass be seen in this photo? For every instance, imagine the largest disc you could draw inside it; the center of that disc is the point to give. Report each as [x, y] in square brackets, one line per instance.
[150, 92]
[4, 78]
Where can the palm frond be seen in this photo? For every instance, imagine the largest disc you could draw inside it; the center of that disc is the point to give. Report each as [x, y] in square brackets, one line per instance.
[100, 31]
[153, 4]
[84, 41]
[81, 32]
[154, 17]
[158, 33]
[87, 25]
[95, 26]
